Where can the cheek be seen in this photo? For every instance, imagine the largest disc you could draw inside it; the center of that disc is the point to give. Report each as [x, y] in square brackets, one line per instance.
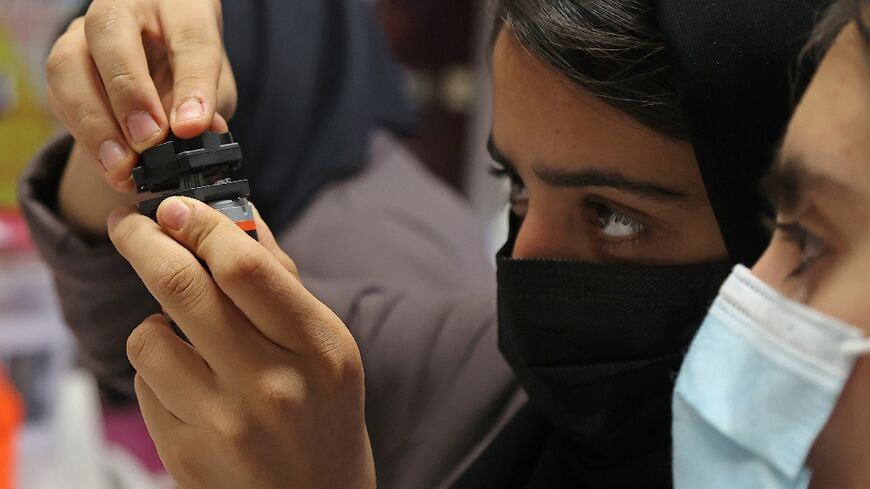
[847, 428]
[843, 292]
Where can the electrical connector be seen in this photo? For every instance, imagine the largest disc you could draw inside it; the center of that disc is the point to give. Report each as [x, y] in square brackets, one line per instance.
[200, 168]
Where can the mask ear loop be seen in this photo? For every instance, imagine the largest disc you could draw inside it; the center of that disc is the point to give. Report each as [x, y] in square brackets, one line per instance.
[856, 347]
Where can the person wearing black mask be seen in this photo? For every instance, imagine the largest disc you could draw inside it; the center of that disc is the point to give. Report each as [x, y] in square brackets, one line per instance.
[634, 135]
[630, 203]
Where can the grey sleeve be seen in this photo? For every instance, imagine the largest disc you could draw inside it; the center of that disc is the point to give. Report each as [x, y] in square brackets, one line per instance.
[101, 297]
[401, 260]
[437, 389]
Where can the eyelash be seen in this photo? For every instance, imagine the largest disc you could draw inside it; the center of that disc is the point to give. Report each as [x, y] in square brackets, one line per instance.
[804, 240]
[509, 174]
[602, 212]
[516, 183]
[501, 172]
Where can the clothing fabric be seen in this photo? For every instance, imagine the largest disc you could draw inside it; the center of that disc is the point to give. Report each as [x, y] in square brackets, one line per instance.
[737, 70]
[596, 347]
[315, 78]
[758, 385]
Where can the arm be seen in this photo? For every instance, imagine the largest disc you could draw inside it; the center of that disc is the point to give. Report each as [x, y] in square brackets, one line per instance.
[117, 93]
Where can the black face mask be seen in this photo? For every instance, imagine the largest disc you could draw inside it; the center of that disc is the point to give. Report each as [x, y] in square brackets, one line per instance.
[597, 347]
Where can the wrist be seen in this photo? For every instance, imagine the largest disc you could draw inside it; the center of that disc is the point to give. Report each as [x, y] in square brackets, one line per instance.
[85, 200]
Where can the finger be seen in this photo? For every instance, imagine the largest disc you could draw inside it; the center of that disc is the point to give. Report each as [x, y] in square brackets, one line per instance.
[159, 420]
[175, 372]
[271, 297]
[267, 239]
[127, 186]
[216, 328]
[114, 35]
[55, 107]
[176, 441]
[228, 93]
[219, 124]
[76, 92]
[193, 39]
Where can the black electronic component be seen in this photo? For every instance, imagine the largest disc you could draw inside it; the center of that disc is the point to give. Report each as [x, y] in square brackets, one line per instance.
[200, 168]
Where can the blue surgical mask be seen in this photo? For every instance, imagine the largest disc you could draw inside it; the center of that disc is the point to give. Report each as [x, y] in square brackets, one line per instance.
[758, 385]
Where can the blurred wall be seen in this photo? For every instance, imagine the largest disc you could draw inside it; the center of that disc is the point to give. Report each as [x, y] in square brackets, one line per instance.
[444, 47]
[433, 40]
[27, 28]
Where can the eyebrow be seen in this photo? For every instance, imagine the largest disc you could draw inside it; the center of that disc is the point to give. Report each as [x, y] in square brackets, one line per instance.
[593, 177]
[790, 179]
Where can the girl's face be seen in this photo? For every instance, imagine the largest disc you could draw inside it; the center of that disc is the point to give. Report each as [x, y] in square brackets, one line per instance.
[588, 181]
[820, 252]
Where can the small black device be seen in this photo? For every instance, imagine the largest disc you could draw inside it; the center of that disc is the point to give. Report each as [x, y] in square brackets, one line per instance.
[200, 168]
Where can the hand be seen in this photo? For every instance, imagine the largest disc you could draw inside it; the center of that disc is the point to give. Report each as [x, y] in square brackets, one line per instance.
[119, 78]
[270, 391]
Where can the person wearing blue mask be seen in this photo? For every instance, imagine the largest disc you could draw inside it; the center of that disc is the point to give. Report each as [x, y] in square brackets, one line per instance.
[773, 392]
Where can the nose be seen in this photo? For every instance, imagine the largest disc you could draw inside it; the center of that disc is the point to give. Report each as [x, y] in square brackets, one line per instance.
[773, 269]
[542, 236]
[763, 268]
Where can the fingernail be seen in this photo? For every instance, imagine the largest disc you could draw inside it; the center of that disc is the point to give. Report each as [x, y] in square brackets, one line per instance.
[111, 154]
[174, 213]
[190, 109]
[116, 217]
[142, 126]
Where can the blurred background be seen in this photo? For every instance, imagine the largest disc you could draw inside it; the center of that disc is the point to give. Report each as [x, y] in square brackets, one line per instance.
[54, 431]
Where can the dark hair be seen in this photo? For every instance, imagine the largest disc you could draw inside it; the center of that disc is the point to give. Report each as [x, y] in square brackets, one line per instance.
[834, 20]
[862, 17]
[611, 48]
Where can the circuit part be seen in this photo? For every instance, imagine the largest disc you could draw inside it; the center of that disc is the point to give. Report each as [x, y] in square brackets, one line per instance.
[200, 168]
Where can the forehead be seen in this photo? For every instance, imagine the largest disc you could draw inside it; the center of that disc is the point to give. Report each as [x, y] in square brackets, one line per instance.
[540, 92]
[526, 86]
[540, 116]
[830, 129]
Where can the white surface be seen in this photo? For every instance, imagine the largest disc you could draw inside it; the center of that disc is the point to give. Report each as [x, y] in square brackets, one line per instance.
[64, 449]
[35, 347]
[73, 455]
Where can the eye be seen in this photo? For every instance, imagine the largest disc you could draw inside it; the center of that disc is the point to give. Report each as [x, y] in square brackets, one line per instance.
[615, 224]
[811, 247]
[519, 195]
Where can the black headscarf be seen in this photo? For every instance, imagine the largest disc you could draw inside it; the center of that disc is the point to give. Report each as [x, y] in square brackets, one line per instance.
[736, 66]
[315, 77]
